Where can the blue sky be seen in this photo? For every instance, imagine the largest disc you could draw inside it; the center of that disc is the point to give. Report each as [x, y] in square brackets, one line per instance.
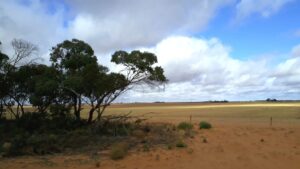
[257, 35]
[209, 49]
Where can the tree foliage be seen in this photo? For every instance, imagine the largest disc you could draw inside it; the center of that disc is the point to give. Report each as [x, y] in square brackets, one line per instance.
[73, 79]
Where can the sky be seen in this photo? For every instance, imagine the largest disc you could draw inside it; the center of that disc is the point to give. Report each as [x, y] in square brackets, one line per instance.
[232, 50]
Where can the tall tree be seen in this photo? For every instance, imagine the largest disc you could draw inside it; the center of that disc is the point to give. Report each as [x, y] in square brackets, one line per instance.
[71, 58]
[86, 81]
[138, 70]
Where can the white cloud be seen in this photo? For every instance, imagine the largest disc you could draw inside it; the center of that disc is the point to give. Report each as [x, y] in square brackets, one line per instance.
[31, 22]
[202, 69]
[265, 8]
[127, 24]
[198, 69]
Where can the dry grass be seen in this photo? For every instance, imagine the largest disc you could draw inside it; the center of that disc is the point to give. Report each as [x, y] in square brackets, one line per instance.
[173, 111]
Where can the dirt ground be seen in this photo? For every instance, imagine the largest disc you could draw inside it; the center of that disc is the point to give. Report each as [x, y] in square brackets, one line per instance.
[232, 143]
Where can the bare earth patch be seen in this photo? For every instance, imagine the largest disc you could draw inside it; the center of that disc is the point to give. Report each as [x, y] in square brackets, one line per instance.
[229, 145]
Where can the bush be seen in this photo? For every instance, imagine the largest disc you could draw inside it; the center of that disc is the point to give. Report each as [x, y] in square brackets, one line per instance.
[180, 144]
[43, 144]
[14, 147]
[31, 121]
[118, 151]
[6, 148]
[146, 147]
[185, 126]
[204, 125]
[169, 147]
[113, 128]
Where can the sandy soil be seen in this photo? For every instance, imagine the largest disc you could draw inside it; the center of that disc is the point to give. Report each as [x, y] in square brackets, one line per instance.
[230, 145]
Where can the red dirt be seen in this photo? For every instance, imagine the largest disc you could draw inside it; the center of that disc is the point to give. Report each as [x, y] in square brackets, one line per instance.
[229, 146]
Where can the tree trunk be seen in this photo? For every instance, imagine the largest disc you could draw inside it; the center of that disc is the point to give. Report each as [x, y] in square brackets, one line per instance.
[100, 112]
[22, 110]
[91, 113]
[77, 107]
[1, 109]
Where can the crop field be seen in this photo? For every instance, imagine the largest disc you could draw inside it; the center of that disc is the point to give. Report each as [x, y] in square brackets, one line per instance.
[242, 136]
[256, 112]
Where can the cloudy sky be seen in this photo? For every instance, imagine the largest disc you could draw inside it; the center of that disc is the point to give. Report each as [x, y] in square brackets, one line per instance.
[210, 49]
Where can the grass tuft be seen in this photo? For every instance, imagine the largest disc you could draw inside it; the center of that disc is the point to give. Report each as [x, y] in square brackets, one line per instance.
[185, 126]
[204, 125]
[180, 144]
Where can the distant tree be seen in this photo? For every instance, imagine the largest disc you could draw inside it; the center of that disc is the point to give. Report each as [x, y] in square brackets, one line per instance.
[271, 100]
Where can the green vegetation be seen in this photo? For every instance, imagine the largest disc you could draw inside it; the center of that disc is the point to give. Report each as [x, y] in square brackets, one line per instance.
[204, 125]
[180, 144]
[58, 93]
[185, 126]
[74, 78]
[40, 134]
[146, 147]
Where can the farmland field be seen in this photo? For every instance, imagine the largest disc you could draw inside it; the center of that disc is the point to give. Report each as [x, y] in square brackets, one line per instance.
[242, 137]
[257, 112]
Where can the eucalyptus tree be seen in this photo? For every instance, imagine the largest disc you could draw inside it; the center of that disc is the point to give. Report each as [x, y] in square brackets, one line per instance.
[86, 81]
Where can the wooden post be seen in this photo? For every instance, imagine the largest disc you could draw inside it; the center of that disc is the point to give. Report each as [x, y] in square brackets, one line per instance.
[190, 118]
[271, 121]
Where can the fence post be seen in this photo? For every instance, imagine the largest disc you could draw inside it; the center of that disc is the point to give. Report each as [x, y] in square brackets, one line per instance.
[271, 121]
[190, 118]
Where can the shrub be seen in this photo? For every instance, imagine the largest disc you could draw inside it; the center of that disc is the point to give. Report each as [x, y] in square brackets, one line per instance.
[31, 121]
[146, 147]
[185, 126]
[204, 125]
[6, 148]
[180, 144]
[43, 144]
[169, 147]
[118, 151]
[14, 147]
